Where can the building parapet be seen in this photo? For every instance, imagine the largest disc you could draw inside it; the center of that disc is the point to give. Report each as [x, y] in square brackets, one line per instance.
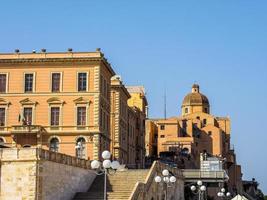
[24, 154]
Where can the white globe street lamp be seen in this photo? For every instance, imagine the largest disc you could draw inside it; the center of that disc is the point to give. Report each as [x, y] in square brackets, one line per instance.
[224, 194]
[168, 179]
[199, 189]
[105, 168]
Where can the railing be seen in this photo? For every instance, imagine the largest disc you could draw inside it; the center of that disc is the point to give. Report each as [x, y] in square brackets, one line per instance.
[26, 128]
[18, 154]
[62, 158]
[142, 189]
[197, 174]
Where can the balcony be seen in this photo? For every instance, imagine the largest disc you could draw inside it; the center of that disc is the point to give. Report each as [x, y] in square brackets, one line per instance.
[16, 129]
[193, 175]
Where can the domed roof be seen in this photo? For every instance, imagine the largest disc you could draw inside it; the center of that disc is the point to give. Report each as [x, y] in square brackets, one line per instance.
[195, 98]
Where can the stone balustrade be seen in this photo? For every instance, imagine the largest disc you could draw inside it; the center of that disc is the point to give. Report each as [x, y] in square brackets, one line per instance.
[152, 190]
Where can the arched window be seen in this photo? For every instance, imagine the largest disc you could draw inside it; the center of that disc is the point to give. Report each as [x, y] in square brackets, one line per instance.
[80, 147]
[2, 141]
[54, 145]
[26, 146]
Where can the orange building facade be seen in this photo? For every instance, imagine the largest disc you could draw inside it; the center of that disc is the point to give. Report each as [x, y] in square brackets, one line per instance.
[57, 101]
[128, 106]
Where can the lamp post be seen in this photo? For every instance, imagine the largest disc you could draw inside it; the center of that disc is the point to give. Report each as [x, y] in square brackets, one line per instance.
[106, 167]
[223, 194]
[198, 189]
[167, 178]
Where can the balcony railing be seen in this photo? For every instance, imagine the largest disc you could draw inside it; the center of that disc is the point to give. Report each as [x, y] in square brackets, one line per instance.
[26, 128]
[209, 176]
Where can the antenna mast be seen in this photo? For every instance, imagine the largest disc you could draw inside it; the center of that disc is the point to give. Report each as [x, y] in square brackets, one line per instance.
[165, 105]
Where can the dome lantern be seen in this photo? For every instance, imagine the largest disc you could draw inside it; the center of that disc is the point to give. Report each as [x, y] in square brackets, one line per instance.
[195, 102]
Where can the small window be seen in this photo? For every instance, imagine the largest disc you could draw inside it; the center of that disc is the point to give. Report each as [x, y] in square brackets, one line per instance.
[54, 145]
[55, 111]
[162, 136]
[206, 110]
[82, 82]
[27, 116]
[204, 121]
[3, 83]
[28, 83]
[81, 116]
[162, 127]
[198, 117]
[186, 110]
[56, 82]
[2, 141]
[210, 133]
[2, 116]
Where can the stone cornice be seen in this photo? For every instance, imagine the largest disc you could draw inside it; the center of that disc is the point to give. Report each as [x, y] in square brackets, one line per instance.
[47, 60]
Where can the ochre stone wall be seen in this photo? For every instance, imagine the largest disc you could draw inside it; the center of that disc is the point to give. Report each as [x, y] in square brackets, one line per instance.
[31, 174]
[59, 181]
[18, 180]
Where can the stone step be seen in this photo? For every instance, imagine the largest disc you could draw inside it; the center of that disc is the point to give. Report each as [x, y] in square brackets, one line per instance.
[119, 186]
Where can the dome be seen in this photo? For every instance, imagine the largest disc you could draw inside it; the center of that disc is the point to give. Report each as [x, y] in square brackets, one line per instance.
[195, 98]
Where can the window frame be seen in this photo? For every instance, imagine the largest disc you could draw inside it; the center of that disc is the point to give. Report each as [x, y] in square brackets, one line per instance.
[5, 121]
[85, 146]
[33, 82]
[32, 108]
[86, 112]
[49, 142]
[7, 79]
[87, 81]
[60, 82]
[59, 116]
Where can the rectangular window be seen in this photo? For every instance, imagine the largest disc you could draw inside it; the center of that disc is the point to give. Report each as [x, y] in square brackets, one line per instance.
[81, 116]
[162, 127]
[3, 83]
[27, 116]
[56, 82]
[82, 82]
[2, 116]
[28, 82]
[55, 111]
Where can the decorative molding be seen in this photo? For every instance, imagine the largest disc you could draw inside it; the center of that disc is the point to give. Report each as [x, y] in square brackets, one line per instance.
[82, 100]
[27, 101]
[3, 102]
[55, 100]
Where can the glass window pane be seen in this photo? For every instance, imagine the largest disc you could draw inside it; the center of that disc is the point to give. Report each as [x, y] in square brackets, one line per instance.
[2, 83]
[55, 116]
[2, 116]
[82, 82]
[80, 147]
[55, 82]
[81, 116]
[28, 82]
[27, 116]
[54, 145]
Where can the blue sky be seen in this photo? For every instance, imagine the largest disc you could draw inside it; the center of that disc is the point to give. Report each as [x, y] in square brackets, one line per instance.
[221, 45]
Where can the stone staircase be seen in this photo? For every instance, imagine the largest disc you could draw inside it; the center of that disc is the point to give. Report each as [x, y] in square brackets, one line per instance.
[119, 185]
